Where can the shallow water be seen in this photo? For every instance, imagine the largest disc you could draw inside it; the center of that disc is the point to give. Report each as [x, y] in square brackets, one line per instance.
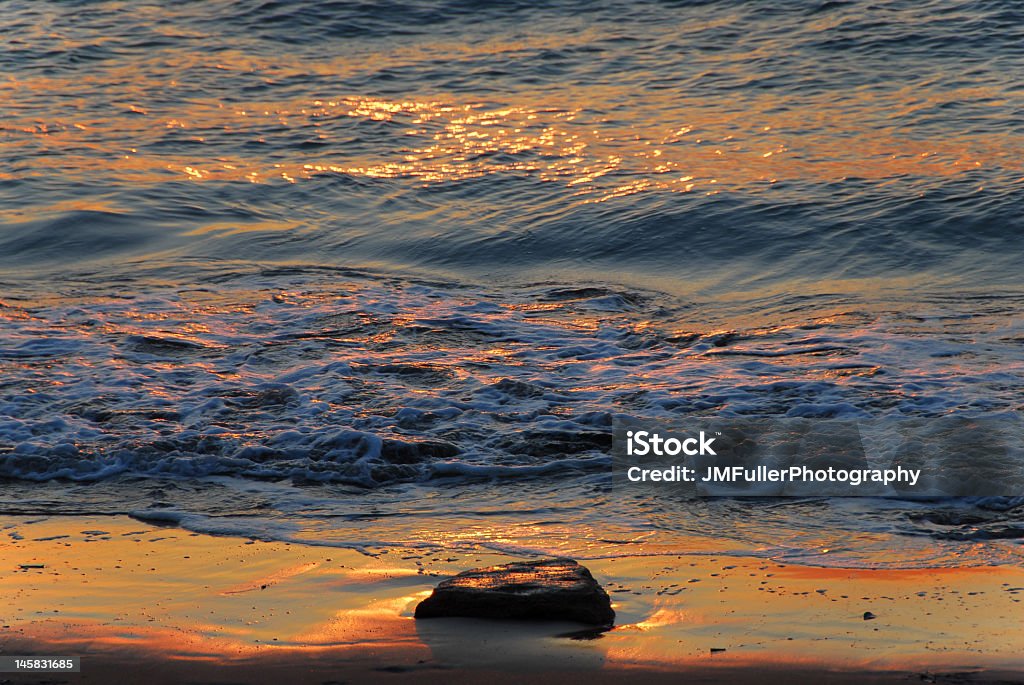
[290, 271]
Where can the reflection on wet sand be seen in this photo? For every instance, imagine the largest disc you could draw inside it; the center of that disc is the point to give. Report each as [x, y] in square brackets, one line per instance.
[111, 587]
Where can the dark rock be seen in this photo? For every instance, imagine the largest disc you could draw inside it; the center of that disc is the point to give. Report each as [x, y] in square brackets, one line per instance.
[868, 616]
[551, 443]
[518, 388]
[549, 590]
[400, 452]
[155, 345]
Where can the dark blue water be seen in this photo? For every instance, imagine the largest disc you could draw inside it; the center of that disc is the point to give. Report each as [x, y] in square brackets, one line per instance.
[391, 245]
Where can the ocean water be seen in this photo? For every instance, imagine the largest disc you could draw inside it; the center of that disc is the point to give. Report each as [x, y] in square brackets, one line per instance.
[382, 275]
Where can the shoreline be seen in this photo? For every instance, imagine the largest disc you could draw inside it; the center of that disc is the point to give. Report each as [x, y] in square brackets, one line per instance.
[174, 606]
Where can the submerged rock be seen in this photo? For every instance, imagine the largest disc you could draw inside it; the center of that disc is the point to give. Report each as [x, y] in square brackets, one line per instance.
[549, 590]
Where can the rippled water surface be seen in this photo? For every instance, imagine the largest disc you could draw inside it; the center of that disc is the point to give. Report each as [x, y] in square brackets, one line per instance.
[282, 269]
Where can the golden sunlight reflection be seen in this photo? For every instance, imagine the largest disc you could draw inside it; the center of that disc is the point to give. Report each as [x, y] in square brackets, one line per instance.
[554, 538]
[272, 579]
[678, 147]
[660, 618]
[379, 621]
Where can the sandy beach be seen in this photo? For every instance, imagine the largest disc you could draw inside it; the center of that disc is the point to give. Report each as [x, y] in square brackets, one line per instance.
[140, 603]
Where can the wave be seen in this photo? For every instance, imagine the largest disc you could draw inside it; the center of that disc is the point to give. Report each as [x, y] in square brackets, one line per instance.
[369, 381]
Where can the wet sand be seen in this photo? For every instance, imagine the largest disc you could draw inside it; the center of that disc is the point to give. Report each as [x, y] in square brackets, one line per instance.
[141, 603]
